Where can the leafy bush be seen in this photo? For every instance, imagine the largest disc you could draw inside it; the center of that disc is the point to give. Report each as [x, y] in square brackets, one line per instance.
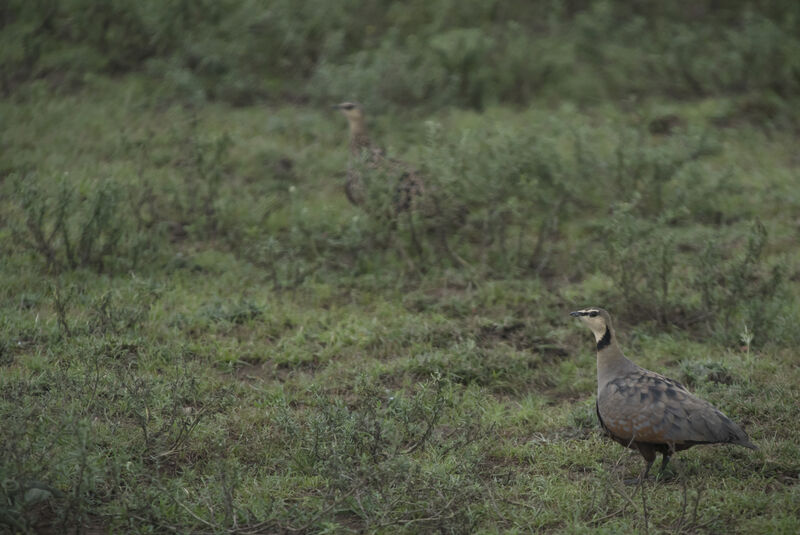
[720, 289]
[58, 465]
[501, 190]
[507, 190]
[204, 166]
[388, 52]
[739, 292]
[68, 227]
[640, 256]
[363, 450]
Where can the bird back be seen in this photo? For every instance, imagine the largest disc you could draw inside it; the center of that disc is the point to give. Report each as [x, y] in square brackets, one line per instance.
[643, 406]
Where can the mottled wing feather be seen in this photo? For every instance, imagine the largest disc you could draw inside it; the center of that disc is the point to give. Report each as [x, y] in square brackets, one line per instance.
[409, 189]
[646, 407]
[376, 154]
[371, 159]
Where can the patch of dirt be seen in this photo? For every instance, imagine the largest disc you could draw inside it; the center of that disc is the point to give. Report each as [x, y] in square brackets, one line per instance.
[441, 298]
[577, 472]
[253, 372]
[502, 331]
[666, 124]
[350, 520]
[494, 465]
[781, 477]
[563, 434]
[754, 111]
[44, 520]
[519, 336]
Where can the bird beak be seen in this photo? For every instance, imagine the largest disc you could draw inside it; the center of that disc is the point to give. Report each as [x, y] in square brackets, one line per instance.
[576, 314]
[336, 107]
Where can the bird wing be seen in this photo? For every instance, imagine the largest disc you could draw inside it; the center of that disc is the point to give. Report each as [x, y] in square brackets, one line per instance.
[354, 186]
[373, 160]
[409, 189]
[647, 407]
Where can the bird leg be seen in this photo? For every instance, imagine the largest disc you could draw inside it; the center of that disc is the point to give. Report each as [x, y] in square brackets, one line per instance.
[649, 455]
[664, 461]
[415, 244]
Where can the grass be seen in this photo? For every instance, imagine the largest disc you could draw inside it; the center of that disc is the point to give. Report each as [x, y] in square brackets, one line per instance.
[250, 354]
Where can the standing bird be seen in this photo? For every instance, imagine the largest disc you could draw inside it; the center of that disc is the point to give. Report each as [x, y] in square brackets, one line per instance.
[366, 157]
[648, 412]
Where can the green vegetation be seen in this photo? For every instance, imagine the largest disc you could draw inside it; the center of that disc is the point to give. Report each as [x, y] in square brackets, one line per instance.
[198, 334]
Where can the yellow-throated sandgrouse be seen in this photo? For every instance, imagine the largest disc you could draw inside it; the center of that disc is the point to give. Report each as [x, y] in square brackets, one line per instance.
[366, 157]
[648, 412]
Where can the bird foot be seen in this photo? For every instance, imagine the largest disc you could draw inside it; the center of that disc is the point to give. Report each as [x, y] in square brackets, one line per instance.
[632, 481]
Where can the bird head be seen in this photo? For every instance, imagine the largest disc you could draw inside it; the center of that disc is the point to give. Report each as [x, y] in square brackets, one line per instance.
[352, 110]
[595, 318]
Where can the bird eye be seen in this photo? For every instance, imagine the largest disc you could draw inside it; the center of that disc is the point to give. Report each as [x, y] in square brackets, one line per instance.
[593, 313]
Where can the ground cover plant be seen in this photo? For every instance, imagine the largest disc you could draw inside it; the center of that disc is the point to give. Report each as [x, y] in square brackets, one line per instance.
[199, 334]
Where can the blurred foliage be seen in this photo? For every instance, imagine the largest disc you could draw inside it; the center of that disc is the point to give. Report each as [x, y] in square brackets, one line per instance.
[386, 52]
[501, 201]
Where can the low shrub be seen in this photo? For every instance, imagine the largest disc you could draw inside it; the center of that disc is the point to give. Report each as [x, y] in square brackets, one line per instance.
[67, 226]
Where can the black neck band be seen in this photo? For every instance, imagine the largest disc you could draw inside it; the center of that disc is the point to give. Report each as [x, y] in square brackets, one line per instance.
[605, 340]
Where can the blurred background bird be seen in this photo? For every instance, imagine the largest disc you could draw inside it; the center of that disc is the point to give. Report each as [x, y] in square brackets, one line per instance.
[373, 178]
